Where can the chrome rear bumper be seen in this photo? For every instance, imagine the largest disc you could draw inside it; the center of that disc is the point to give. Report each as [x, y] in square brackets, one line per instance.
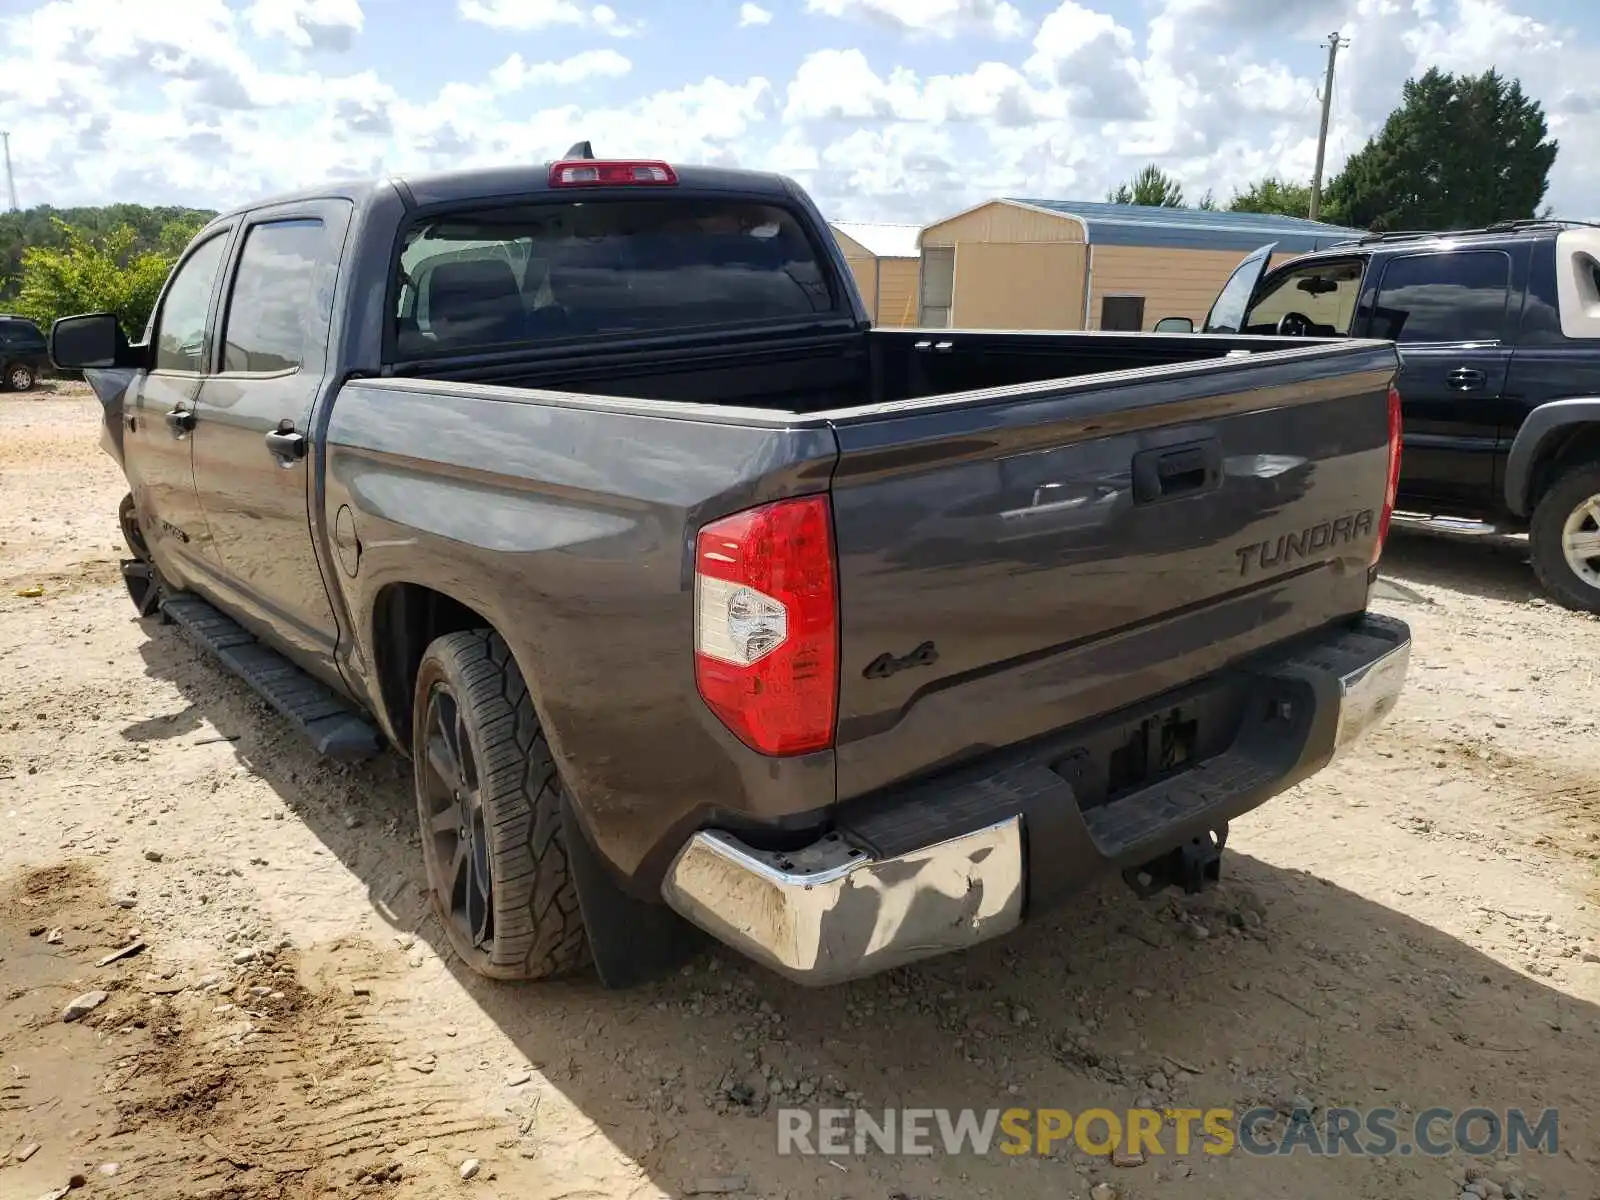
[1368, 693]
[830, 912]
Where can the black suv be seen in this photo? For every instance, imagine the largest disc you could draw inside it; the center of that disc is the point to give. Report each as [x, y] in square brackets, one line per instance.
[1499, 337]
[22, 353]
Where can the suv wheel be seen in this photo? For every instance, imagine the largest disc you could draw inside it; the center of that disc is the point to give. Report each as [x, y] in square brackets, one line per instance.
[19, 377]
[1564, 539]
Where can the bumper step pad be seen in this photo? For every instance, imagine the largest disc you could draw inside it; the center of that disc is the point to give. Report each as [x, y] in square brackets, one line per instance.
[1146, 815]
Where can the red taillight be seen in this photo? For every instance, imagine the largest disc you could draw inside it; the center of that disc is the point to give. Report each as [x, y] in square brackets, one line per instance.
[585, 172]
[1393, 487]
[766, 625]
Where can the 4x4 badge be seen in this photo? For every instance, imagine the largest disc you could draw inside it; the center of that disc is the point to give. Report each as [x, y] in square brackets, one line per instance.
[887, 664]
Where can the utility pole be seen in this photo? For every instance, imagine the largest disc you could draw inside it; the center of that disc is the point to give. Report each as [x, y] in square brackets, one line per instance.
[11, 180]
[1335, 44]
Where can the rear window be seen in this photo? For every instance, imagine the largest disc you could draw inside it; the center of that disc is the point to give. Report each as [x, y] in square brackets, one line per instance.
[542, 272]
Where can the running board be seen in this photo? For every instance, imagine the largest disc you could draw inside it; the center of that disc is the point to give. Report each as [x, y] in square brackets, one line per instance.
[1454, 526]
[335, 729]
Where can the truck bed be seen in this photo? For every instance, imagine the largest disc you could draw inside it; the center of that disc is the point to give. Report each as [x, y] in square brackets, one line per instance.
[781, 372]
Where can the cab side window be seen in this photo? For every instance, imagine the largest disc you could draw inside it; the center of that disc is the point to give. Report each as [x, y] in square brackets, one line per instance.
[273, 291]
[1460, 296]
[180, 330]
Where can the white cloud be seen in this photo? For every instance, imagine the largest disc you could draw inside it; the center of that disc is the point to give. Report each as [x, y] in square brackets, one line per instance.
[525, 15]
[840, 85]
[308, 24]
[514, 73]
[933, 18]
[753, 14]
[1091, 56]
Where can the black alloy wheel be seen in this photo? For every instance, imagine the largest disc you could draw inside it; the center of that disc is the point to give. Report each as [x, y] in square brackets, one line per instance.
[453, 818]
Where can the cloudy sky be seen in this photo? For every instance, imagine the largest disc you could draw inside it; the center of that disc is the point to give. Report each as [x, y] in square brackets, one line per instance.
[886, 109]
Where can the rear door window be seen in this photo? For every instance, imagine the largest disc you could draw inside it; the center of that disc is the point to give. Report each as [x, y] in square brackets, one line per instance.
[265, 329]
[539, 272]
[1453, 296]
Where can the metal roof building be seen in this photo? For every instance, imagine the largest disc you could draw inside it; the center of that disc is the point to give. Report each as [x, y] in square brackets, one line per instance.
[1192, 228]
[882, 240]
[1078, 264]
[885, 261]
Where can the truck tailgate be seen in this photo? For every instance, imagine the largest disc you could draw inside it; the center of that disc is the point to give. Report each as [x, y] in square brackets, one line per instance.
[1015, 564]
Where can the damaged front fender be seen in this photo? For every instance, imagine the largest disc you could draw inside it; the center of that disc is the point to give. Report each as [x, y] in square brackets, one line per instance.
[110, 388]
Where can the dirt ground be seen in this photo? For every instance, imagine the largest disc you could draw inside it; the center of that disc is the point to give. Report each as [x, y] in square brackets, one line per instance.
[1415, 927]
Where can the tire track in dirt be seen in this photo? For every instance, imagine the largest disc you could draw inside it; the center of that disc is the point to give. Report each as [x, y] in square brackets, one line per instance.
[268, 1082]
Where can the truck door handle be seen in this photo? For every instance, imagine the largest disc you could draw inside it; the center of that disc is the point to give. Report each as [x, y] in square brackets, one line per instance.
[1466, 379]
[180, 421]
[1170, 471]
[287, 446]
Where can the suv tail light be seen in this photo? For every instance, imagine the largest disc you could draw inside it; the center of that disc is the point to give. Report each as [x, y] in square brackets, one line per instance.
[766, 625]
[1393, 487]
[587, 172]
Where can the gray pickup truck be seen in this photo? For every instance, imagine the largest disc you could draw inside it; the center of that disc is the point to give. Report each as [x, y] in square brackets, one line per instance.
[695, 601]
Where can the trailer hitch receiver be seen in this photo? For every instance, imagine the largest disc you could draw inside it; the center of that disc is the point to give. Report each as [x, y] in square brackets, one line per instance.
[1195, 866]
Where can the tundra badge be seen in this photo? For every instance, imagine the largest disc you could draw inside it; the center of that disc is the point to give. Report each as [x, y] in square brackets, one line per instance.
[1301, 544]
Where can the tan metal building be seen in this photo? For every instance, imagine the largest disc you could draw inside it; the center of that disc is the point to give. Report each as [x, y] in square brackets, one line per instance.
[1066, 264]
[886, 263]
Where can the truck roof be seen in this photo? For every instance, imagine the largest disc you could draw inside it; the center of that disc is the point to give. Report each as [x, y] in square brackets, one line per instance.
[480, 183]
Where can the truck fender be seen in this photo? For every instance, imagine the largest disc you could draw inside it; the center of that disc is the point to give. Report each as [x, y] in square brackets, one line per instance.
[1538, 432]
[110, 386]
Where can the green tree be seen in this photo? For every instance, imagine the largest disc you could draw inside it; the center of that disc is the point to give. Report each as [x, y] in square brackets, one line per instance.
[1273, 195]
[1460, 151]
[43, 226]
[1151, 186]
[1208, 202]
[87, 271]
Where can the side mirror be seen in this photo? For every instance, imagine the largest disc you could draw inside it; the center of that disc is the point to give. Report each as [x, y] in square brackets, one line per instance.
[90, 341]
[1175, 325]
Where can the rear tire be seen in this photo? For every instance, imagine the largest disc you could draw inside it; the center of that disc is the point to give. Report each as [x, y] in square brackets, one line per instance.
[1564, 539]
[20, 377]
[489, 807]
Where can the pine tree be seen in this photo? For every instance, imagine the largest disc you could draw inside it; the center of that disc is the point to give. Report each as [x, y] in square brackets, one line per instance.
[1151, 186]
[1460, 151]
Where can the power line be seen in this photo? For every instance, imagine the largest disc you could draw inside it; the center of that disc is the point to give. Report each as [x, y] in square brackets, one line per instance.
[1335, 43]
[11, 180]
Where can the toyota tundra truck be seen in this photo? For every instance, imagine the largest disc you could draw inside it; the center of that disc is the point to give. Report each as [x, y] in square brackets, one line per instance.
[698, 603]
